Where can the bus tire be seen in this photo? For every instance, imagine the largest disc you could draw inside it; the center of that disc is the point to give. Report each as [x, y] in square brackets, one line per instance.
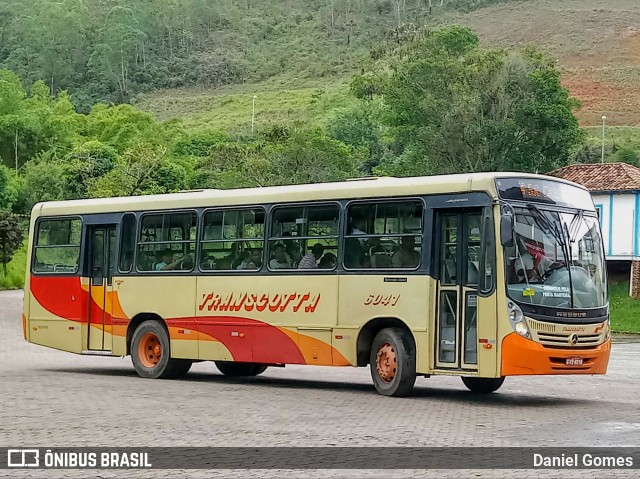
[393, 362]
[233, 369]
[483, 385]
[151, 353]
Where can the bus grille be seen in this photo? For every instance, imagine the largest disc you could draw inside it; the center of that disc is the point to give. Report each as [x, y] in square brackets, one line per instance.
[552, 336]
[546, 327]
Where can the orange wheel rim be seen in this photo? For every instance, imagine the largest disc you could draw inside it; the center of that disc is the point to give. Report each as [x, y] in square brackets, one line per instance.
[386, 363]
[149, 350]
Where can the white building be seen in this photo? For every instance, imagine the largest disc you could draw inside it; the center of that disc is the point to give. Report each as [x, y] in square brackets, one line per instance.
[615, 189]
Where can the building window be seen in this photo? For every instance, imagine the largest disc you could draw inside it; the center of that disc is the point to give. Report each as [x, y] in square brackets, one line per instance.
[599, 213]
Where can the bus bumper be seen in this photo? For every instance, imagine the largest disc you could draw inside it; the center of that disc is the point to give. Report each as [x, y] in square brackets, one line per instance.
[521, 356]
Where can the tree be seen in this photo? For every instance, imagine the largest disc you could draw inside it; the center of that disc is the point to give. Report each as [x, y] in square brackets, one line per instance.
[10, 238]
[279, 157]
[118, 44]
[361, 127]
[142, 170]
[455, 107]
[86, 163]
[7, 189]
[44, 180]
[312, 156]
[122, 126]
[627, 155]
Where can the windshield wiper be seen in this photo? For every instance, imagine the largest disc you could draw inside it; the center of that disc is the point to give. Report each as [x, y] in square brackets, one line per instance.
[561, 236]
[551, 228]
[574, 227]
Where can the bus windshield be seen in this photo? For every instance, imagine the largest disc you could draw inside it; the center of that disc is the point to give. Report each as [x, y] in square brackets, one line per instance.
[557, 259]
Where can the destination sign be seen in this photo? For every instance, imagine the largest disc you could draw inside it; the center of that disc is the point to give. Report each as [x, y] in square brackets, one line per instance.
[544, 191]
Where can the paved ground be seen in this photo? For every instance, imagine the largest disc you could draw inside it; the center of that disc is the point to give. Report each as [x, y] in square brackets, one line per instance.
[50, 398]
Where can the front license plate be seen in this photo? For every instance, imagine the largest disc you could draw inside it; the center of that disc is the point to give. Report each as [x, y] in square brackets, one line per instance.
[573, 362]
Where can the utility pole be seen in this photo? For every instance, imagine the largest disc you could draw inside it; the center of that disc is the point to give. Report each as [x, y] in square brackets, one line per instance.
[604, 120]
[253, 114]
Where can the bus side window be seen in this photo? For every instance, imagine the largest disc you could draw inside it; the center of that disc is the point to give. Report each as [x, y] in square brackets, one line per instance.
[304, 237]
[127, 242]
[232, 240]
[167, 242]
[384, 235]
[57, 247]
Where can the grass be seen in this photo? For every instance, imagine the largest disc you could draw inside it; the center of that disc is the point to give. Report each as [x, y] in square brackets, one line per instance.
[625, 311]
[621, 136]
[15, 270]
[230, 109]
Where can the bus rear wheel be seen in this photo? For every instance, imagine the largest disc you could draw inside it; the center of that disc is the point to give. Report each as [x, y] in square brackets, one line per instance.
[151, 353]
[233, 369]
[393, 362]
[483, 385]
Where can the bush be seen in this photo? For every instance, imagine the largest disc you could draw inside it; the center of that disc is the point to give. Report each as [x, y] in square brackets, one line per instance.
[14, 279]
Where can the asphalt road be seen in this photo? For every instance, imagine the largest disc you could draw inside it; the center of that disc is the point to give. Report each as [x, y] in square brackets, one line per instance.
[50, 398]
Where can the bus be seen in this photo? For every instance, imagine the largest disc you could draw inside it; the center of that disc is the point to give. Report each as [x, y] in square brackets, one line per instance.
[480, 276]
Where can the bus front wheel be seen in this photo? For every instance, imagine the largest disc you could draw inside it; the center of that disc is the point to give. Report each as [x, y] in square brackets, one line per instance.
[483, 385]
[393, 362]
[151, 353]
[230, 368]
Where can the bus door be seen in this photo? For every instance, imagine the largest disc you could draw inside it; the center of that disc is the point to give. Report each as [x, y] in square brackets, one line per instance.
[102, 261]
[457, 297]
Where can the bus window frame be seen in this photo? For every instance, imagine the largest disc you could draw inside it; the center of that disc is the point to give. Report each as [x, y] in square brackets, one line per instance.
[140, 218]
[488, 245]
[306, 204]
[119, 238]
[424, 248]
[36, 236]
[224, 272]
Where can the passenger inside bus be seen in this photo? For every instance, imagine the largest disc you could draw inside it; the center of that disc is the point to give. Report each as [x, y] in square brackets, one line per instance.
[208, 262]
[406, 256]
[166, 258]
[310, 261]
[292, 248]
[253, 260]
[328, 261]
[354, 254]
[168, 263]
[529, 267]
[280, 258]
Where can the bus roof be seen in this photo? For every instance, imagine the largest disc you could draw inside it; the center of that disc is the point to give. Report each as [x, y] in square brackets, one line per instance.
[357, 188]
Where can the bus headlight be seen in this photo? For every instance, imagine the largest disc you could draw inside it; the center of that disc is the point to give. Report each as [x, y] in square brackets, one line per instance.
[522, 329]
[516, 318]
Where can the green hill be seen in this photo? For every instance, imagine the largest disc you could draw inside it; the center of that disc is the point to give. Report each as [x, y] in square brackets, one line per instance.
[596, 43]
[203, 61]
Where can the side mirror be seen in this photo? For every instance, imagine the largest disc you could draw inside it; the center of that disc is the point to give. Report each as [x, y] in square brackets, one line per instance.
[506, 230]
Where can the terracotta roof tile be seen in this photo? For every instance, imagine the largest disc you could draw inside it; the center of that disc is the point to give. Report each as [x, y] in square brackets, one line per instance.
[601, 176]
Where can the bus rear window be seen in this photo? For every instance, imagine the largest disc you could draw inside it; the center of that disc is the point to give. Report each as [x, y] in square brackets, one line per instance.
[57, 248]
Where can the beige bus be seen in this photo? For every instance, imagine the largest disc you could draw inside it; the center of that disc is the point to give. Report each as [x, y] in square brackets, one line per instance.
[481, 276]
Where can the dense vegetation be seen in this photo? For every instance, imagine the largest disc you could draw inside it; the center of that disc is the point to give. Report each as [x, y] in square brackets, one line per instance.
[109, 50]
[449, 106]
[421, 100]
